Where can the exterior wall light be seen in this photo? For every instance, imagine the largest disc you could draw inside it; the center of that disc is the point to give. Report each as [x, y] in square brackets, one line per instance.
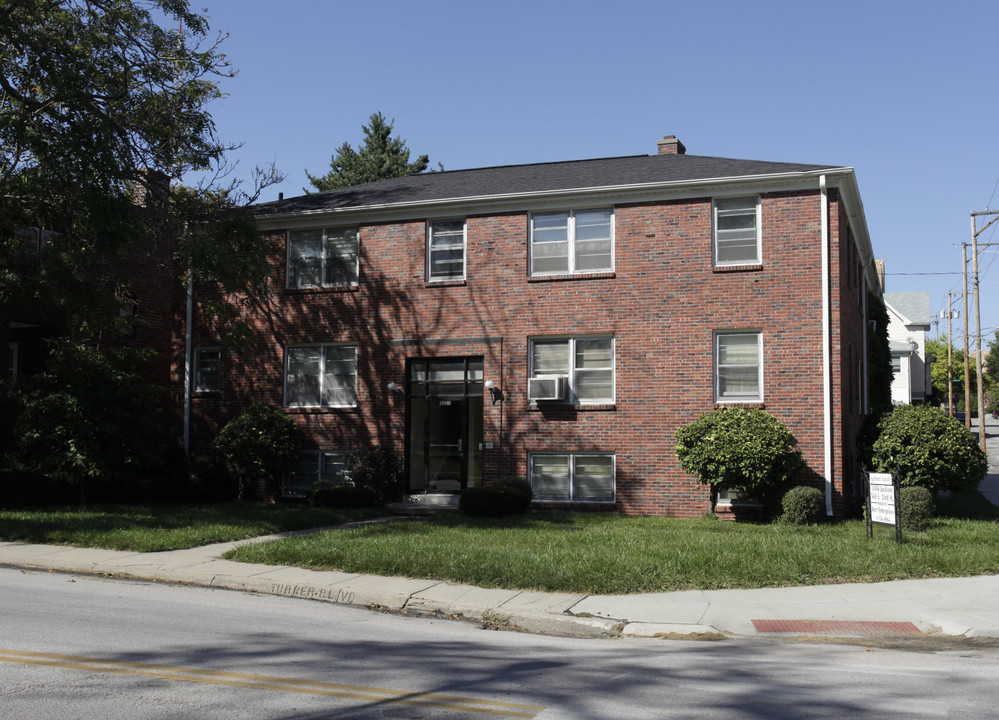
[494, 392]
[394, 389]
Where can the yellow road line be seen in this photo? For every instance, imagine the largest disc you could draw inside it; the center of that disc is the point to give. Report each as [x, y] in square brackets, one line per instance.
[270, 682]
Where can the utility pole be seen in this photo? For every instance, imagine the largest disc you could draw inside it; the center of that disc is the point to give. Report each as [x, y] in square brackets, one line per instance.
[967, 353]
[950, 358]
[975, 232]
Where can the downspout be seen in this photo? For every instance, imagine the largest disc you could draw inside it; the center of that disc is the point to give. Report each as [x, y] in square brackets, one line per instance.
[826, 347]
[188, 361]
[865, 376]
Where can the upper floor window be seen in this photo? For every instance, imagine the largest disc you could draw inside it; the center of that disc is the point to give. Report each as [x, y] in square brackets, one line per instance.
[579, 241]
[586, 363]
[738, 367]
[737, 231]
[207, 370]
[321, 376]
[446, 250]
[322, 257]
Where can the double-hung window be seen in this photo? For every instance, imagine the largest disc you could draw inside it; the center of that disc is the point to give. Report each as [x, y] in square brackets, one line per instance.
[737, 231]
[321, 376]
[446, 250]
[586, 362]
[738, 367]
[572, 477]
[579, 241]
[322, 257]
[207, 370]
[313, 466]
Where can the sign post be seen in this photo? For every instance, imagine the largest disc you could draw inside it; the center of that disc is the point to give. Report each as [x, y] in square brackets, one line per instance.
[883, 503]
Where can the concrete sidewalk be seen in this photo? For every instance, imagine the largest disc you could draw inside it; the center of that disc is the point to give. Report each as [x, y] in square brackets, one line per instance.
[945, 606]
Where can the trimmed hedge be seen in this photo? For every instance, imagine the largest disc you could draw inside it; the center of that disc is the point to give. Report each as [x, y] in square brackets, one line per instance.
[917, 507]
[327, 495]
[509, 496]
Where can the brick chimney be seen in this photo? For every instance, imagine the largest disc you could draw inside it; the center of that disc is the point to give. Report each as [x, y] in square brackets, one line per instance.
[669, 145]
[152, 186]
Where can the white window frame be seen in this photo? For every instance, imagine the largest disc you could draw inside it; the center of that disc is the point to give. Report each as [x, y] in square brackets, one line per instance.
[326, 461]
[734, 397]
[322, 375]
[572, 370]
[571, 261]
[717, 239]
[326, 234]
[199, 386]
[431, 277]
[572, 458]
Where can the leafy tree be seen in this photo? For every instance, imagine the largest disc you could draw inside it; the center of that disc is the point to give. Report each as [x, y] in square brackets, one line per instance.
[929, 449]
[990, 370]
[88, 421]
[99, 103]
[380, 158]
[939, 375]
[736, 448]
[261, 444]
[100, 107]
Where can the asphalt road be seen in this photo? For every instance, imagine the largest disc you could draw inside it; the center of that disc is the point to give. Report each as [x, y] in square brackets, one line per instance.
[88, 647]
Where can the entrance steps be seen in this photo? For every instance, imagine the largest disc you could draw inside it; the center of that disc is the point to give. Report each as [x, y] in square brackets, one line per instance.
[425, 504]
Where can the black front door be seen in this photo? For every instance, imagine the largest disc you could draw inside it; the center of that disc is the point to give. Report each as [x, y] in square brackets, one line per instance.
[444, 416]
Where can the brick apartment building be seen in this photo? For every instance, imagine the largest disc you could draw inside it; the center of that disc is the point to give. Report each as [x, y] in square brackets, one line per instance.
[559, 321]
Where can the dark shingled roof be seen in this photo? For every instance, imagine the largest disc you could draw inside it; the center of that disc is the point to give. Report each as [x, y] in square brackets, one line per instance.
[527, 179]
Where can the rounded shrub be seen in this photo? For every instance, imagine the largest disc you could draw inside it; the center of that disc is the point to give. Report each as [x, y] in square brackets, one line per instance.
[260, 444]
[736, 448]
[803, 505]
[917, 507]
[929, 449]
[377, 469]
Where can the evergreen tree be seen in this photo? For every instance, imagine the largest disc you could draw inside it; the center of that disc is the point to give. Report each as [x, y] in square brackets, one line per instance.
[380, 158]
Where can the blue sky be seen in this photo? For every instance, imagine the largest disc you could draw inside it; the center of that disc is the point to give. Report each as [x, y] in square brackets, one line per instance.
[904, 92]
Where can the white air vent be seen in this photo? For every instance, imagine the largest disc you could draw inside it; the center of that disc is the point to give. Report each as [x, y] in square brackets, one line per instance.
[546, 387]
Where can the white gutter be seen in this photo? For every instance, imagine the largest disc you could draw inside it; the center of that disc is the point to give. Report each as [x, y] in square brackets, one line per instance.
[528, 200]
[826, 347]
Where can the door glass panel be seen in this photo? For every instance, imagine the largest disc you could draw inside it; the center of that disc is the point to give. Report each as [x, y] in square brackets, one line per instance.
[445, 424]
[417, 444]
[474, 435]
[445, 447]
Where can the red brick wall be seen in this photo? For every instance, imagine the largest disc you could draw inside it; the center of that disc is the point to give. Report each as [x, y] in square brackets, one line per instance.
[662, 304]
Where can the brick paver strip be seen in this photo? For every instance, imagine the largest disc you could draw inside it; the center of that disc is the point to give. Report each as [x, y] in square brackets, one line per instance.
[834, 627]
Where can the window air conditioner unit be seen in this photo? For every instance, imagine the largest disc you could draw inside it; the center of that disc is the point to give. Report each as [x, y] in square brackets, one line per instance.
[546, 387]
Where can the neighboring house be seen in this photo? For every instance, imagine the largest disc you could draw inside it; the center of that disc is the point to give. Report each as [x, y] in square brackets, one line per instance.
[559, 322]
[908, 323]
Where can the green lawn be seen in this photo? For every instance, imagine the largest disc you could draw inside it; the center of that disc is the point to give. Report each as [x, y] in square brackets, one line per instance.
[579, 553]
[149, 528]
[596, 553]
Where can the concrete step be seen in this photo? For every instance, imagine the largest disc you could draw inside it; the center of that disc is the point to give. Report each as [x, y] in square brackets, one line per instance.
[425, 504]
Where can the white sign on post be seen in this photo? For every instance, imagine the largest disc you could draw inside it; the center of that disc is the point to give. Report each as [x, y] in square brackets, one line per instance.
[882, 498]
